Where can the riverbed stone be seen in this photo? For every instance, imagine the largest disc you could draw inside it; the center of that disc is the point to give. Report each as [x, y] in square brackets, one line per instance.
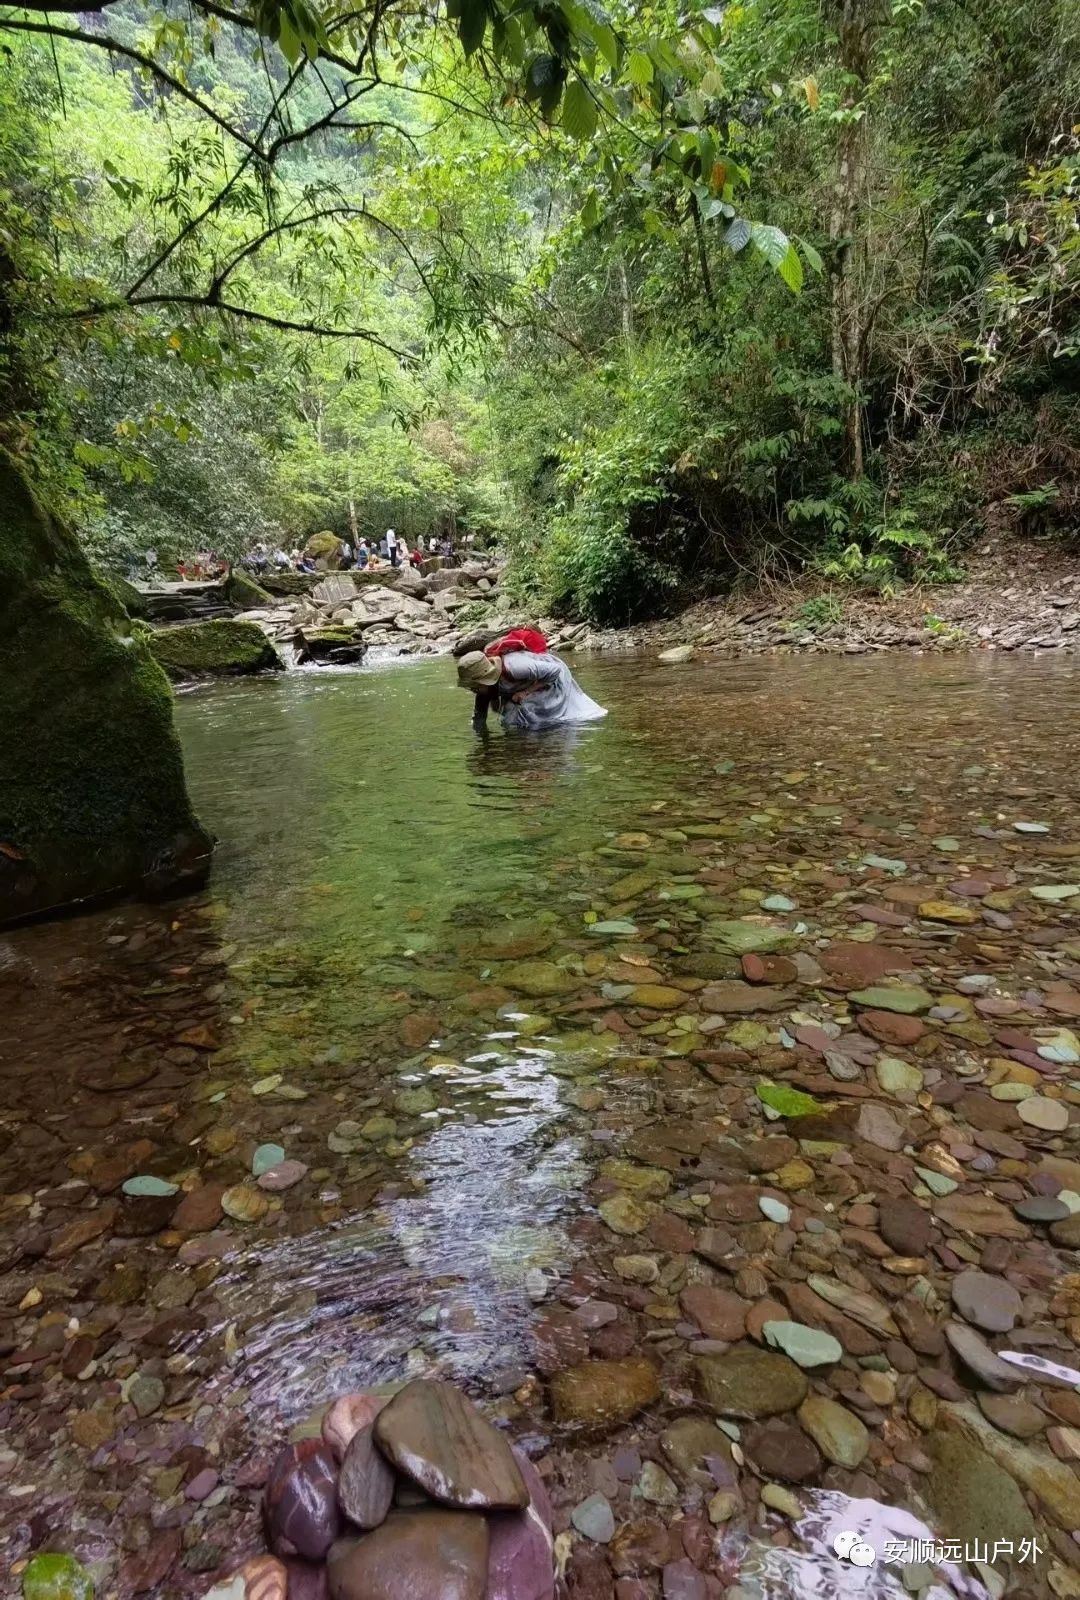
[599, 1394]
[366, 1481]
[347, 1415]
[905, 1226]
[594, 1518]
[906, 998]
[807, 1347]
[433, 1434]
[971, 1495]
[426, 1554]
[521, 1557]
[718, 1313]
[979, 1358]
[988, 1302]
[747, 1382]
[300, 1509]
[688, 1444]
[839, 1434]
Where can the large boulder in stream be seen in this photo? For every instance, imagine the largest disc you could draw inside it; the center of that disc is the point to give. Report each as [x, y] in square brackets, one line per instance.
[92, 800]
[245, 592]
[217, 649]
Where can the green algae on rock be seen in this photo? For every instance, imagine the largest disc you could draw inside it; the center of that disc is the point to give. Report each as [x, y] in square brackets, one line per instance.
[93, 801]
[219, 648]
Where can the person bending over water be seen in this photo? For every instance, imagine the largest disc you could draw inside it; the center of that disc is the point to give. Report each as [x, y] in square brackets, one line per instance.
[531, 691]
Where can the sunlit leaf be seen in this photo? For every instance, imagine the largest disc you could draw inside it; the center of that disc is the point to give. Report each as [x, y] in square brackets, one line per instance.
[579, 116]
[813, 96]
[639, 68]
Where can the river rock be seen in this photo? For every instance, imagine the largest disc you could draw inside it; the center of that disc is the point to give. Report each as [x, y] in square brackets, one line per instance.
[808, 1347]
[1011, 1414]
[877, 1126]
[429, 1554]
[366, 1482]
[990, 1303]
[347, 1415]
[436, 1436]
[979, 1214]
[734, 996]
[537, 979]
[521, 1553]
[747, 1382]
[689, 1443]
[906, 998]
[300, 1509]
[905, 1226]
[1049, 1116]
[602, 1393]
[782, 1450]
[718, 1313]
[977, 1356]
[594, 1518]
[200, 1210]
[972, 1497]
[838, 1433]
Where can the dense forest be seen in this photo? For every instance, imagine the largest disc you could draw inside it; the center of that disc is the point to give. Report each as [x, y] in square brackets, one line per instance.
[661, 299]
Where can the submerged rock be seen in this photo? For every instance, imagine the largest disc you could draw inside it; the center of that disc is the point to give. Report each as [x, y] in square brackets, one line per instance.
[749, 1383]
[602, 1393]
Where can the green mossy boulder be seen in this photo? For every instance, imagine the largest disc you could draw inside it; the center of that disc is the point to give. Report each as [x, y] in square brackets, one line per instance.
[133, 600]
[325, 548]
[242, 591]
[220, 648]
[92, 794]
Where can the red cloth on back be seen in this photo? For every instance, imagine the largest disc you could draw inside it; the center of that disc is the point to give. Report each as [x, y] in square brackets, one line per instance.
[518, 639]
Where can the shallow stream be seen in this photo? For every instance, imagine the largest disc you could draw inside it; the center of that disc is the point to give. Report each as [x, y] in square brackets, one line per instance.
[394, 976]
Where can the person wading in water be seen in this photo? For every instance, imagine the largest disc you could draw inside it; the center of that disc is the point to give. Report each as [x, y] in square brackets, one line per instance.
[530, 688]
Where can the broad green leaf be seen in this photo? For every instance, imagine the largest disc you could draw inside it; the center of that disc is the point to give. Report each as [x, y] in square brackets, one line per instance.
[590, 211]
[813, 260]
[737, 234]
[579, 111]
[771, 242]
[607, 44]
[639, 68]
[791, 269]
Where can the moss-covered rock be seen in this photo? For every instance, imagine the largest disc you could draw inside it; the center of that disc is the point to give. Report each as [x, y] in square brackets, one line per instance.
[245, 593]
[92, 794]
[337, 646]
[325, 548]
[220, 648]
[133, 600]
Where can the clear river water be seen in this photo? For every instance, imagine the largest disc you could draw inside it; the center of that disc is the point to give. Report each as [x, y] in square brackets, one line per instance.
[464, 984]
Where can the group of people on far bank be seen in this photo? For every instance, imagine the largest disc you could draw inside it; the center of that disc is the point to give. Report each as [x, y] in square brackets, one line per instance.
[391, 550]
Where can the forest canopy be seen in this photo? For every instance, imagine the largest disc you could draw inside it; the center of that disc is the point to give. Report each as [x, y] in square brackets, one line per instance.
[664, 298]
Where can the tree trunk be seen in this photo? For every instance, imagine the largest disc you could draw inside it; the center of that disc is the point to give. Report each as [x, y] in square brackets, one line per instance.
[856, 29]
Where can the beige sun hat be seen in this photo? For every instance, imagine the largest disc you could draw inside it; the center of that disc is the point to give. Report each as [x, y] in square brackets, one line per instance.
[475, 671]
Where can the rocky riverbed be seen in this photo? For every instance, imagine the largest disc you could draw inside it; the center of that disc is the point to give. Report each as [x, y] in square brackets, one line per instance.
[715, 1126]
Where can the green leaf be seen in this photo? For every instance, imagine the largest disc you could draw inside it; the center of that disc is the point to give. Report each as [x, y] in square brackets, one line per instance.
[770, 242]
[579, 111]
[787, 1101]
[737, 234]
[607, 44]
[813, 260]
[791, 269]
[590, 211]
[639, 68]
